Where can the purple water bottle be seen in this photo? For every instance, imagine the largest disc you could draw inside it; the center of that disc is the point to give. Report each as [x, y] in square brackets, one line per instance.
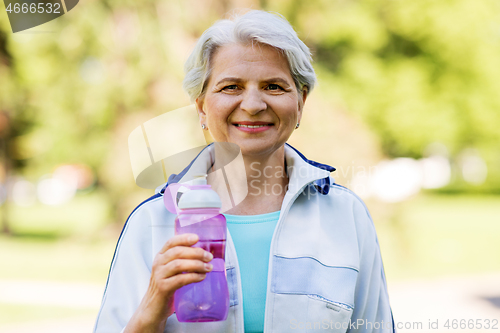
[199, 213]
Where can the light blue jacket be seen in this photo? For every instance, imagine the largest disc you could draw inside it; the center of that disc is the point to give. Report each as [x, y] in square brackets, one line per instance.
[325, 269]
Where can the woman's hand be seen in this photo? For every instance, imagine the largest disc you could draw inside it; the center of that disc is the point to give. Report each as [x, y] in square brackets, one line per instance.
[176, 256]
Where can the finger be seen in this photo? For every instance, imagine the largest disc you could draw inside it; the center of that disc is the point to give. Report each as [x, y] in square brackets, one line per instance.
[180, 266]
[183, 252]
[180, 240]
[181, 280]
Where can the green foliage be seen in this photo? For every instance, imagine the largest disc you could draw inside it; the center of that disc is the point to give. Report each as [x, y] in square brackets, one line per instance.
[415, 72]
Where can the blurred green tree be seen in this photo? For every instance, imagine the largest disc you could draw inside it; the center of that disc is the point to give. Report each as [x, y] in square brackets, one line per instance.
[15, 120]
[415, 72]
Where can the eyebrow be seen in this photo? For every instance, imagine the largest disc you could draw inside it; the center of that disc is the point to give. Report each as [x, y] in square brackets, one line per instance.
[231, 79]
[277, 79]
[238, 80]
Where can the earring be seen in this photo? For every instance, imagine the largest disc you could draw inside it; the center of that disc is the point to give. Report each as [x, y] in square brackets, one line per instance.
[297, 126]
[203, 126]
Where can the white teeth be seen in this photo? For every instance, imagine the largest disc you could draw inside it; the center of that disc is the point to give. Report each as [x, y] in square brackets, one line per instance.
[250, 126]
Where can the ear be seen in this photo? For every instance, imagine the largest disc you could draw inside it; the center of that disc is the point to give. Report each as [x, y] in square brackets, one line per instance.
[203, 119]
[302, 101]
[199, 108]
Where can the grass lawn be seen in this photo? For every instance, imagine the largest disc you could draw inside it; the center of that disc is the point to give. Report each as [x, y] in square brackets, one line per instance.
[67, 243]
[61, 260]
[82, 217]
[436, 235]
[15, 313]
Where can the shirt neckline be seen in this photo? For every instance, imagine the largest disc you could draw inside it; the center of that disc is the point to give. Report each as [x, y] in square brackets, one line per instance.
[268, 217]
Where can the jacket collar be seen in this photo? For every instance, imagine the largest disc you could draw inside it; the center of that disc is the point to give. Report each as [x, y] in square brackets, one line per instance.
[301, 171]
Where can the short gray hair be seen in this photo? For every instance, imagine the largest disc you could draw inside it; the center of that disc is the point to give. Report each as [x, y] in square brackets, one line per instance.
[255, 26]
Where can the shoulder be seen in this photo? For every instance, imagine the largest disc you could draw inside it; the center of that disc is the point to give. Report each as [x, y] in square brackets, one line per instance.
[340, 191]
[145, 215]
[352, 208]
[147, 206]
[139, 229]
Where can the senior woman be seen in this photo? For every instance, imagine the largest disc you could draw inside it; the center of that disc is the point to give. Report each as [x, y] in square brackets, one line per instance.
[302, 252]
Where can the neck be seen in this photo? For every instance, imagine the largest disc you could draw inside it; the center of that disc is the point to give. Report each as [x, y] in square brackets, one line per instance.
[266, 176]
[267, 183]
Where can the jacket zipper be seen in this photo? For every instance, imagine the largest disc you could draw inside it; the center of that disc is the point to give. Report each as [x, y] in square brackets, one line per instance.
[269, 273]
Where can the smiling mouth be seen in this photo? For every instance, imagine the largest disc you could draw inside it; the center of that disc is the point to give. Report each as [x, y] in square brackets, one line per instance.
[252, 126]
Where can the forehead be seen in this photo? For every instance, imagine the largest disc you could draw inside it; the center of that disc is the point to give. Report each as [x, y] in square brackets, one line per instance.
[249, 61]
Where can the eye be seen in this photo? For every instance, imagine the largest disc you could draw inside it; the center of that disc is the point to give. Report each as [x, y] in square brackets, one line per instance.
[274, 86]
[230, 87]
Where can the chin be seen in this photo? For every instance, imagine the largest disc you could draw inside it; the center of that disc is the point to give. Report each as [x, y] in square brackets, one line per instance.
[257, 149]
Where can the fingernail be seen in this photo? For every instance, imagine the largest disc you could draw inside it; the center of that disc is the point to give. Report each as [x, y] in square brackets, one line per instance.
[208, 256]
[192, 238]
[208, 267]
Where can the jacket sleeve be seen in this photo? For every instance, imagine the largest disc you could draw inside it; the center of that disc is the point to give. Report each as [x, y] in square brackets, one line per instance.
[372, 312]
[129, 274]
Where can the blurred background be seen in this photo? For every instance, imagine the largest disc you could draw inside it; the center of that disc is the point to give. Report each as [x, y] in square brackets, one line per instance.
[407, 108]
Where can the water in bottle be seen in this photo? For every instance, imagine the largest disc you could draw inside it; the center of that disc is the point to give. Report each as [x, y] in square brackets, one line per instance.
[199, 212]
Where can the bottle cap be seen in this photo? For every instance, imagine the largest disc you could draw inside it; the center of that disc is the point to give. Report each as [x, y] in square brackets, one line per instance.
[200, 195]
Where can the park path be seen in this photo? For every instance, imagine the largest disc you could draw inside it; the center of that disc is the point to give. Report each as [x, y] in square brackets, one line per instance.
[413, 302]
[473, 297]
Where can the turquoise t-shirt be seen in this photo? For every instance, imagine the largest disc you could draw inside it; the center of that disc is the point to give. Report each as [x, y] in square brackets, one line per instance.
[252, 236]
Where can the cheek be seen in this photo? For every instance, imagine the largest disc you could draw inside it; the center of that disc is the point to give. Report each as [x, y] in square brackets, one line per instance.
[288, 110]
[219, 109]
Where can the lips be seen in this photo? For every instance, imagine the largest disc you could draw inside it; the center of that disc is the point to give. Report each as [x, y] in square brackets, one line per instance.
[253, 126]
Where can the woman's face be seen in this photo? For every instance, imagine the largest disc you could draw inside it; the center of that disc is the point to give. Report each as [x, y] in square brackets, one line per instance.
[251, 99]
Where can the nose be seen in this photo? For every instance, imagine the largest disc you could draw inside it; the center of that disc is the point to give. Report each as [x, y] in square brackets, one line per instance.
[253, 102]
